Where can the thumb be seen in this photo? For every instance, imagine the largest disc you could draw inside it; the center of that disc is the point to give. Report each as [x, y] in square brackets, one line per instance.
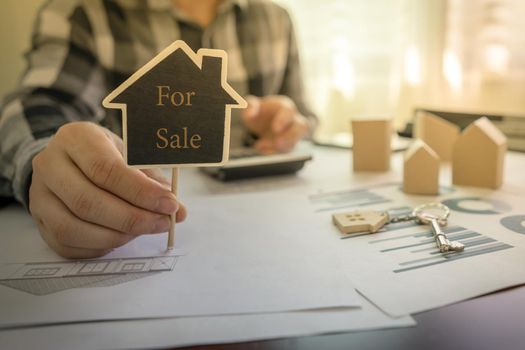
[117, 141]
[254, 106]
[157, 175]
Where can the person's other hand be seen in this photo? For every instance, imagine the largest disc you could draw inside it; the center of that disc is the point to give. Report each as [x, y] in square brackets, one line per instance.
[276, 122]
[86, 201]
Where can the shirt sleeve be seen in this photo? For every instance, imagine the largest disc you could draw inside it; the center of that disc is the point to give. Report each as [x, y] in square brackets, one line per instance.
[63, 82]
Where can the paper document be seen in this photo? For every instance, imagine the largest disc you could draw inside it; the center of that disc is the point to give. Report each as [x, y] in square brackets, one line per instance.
[400, 268]
[240, 256]
[175, 332]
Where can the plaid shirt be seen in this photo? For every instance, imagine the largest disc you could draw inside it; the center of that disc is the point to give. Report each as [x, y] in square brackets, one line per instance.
[83, 49]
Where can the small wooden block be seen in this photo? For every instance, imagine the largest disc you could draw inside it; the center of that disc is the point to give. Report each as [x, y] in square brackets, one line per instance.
[478, 156]
[360, 221]
[437, 133]
[421, 169]
[371, 145]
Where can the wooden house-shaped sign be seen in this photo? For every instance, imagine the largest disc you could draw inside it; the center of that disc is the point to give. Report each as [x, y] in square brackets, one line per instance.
[438, 133]
[176, 112]
[478, 156]
[421, 170]
[176, 109]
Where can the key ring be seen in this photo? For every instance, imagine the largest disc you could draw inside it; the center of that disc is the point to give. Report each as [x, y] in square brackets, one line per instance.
[419, 213]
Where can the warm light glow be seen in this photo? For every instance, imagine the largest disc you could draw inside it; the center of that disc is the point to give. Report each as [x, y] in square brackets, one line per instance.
[452, 70]
[344, 76]
[497, 58]
[412, 66]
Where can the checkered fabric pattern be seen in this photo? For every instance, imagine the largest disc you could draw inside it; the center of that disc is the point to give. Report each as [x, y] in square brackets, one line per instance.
[82, 49]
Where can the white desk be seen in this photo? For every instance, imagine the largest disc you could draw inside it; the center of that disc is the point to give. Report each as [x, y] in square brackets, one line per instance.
[331, 170]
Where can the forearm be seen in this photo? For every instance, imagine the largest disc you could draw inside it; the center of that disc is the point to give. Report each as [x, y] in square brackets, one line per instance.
[63, 82]
[292, 85]
[17, 147]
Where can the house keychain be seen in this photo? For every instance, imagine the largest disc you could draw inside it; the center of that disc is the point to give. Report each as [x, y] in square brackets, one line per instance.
[373, 221]
[176, 112]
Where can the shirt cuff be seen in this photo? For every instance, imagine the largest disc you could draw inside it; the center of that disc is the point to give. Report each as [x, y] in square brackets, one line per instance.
[24, 168]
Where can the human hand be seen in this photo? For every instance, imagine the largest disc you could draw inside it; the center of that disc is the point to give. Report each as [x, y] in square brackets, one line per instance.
[86, 201]
[276, 121]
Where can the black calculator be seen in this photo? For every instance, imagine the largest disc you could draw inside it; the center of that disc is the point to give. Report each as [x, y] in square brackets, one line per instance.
[247, 162]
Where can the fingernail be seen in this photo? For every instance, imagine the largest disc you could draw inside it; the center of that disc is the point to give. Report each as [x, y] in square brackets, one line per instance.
[165, 182]
[161, 225]
[165, 185]
[167, 205]
[284, 144]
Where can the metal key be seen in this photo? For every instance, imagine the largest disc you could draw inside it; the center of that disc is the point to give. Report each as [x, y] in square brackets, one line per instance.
[435, 221]
[371, 222]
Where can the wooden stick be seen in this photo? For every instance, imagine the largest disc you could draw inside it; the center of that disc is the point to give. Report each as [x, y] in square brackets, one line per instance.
[174, 182]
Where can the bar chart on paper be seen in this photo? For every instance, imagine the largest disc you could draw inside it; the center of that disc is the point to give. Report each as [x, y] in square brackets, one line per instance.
[349, 199]
[47, 278]
[403, 257]
[418, 248]
[345, 199]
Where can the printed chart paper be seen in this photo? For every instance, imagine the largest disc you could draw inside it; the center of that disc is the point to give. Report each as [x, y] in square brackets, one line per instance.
[403, 258]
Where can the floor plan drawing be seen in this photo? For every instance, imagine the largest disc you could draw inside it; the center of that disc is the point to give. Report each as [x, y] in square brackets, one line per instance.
[52, 277]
